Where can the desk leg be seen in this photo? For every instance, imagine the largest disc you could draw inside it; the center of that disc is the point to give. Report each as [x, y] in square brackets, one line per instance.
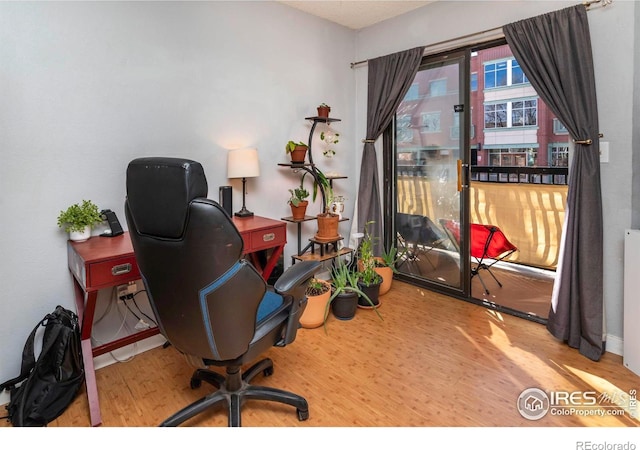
[85, 316]
[271, 263]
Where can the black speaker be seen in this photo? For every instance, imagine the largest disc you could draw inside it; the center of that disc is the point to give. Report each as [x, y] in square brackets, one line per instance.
[225, 199]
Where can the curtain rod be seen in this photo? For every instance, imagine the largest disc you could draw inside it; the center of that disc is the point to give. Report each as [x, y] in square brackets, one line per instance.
[492, 31]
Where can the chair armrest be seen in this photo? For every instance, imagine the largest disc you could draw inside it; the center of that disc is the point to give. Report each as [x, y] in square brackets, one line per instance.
[295, 278]
[293, 283]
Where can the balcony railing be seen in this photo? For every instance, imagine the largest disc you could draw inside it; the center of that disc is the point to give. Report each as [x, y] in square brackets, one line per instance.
[534, 175]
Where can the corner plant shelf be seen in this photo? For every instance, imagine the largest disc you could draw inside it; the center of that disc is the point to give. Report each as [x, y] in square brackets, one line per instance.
[326, 250]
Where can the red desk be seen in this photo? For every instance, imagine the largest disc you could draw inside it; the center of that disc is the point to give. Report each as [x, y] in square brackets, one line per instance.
[103, 262]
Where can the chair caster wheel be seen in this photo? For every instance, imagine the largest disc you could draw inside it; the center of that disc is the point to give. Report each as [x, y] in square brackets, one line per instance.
[302, 415]
[195, 383]
[268, 371]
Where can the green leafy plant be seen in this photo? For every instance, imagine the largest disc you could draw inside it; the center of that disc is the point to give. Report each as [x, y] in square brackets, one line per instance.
[321, 180]
[389, 258]
[298, 194]
[291, 146]
[316, 287]
[76, 217]
[367, 274]
[345, 280]
[323, 105]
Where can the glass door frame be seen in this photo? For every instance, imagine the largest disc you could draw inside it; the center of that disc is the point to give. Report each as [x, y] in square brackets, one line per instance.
[390, 179]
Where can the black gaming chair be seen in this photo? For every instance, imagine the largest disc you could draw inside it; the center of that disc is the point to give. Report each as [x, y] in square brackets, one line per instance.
[210, 304]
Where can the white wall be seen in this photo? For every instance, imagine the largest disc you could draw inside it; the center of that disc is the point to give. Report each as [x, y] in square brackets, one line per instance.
[87, 86]
[614, 71]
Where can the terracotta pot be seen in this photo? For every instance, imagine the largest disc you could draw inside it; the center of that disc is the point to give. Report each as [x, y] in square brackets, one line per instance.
[313, 315]
[298, 212]
[387, 277]
[299, 154]
[344, 306]
[328, 226]
[323, 111]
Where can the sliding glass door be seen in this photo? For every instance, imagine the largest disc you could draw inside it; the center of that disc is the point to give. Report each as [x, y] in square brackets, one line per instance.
[431, 176]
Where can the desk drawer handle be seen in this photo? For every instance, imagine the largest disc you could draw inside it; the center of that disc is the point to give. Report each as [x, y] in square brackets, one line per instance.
[121, 269]
[268, 237]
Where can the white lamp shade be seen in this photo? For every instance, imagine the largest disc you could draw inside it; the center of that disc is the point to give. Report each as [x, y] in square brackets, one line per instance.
[243, 163]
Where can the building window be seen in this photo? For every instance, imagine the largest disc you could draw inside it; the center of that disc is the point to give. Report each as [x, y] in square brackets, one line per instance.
[559, 155]
[495, 115]
[412, 93]
[503, 73]
[524, 113]
[558, 127]
[517, 75]
[495, 75]
[513, 157]
[438, 87]
[404, 132]
[431, 122]
[474, 81]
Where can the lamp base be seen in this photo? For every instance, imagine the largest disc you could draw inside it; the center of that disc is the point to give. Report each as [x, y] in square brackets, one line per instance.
[244, 212]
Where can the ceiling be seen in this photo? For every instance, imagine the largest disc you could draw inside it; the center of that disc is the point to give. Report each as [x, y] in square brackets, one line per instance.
[356, 14]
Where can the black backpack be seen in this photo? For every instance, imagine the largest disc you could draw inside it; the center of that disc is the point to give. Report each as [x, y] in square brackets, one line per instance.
[52, 382]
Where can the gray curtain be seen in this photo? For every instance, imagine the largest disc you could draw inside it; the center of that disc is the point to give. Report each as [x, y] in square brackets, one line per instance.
[554, 50]
[390, 78]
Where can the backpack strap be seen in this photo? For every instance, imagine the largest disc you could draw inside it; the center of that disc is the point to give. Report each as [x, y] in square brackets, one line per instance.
[28, 359]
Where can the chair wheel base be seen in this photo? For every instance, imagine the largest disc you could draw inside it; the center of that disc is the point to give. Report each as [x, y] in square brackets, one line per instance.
[302, 415]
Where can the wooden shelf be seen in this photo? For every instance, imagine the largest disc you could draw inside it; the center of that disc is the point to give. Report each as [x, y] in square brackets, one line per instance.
[327, 256]
[306, 219]
[292, 220]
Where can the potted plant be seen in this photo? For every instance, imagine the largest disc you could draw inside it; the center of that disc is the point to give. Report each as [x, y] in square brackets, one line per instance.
[327, 221]
[345, 292]
[329, 139]
[323, 110]
[369, 280]
[318, 293]
[297, 150]
[298, 201]
[79, 219]
[386, 267]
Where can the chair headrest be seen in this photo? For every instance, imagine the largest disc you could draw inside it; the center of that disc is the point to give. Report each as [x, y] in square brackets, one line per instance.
[159, 191]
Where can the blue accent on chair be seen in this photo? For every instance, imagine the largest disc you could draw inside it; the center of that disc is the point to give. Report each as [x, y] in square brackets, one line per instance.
[203, 302]
[270, 302]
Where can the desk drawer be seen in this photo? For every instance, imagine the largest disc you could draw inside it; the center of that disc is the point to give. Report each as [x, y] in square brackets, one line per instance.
[112, 273]
[266, 238]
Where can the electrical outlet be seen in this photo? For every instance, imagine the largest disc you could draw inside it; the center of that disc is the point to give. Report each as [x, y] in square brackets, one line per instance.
[122, 291]
[132, 288]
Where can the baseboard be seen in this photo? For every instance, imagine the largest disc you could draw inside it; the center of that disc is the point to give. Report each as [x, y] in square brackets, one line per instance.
[123, 354]
[128, 352]
[614, 345]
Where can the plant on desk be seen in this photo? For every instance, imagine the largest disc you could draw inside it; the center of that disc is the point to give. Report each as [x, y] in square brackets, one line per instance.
[79, 219]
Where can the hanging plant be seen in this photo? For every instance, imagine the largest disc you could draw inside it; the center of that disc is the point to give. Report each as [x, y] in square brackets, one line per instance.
[329, 139]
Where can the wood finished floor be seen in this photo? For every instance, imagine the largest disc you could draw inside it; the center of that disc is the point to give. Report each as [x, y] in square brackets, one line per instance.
[433, 362]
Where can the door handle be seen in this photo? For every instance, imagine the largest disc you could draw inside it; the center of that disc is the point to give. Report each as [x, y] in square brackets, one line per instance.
[463, 176]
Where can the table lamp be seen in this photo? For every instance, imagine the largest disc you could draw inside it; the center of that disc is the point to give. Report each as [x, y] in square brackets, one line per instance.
[243, 163]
